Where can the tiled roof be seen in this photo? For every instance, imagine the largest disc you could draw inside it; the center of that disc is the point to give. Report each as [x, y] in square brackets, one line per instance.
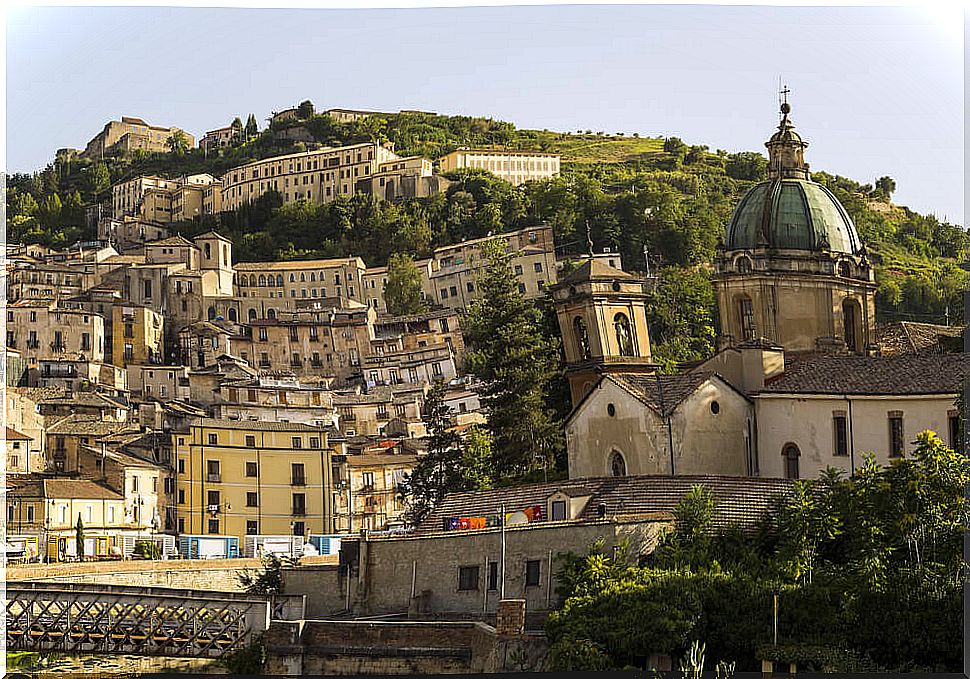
[14, 435]
[260, 425]
[740, 500]
[172, 240]
[594, 269]
[908, 374]
[365, 460]
[663, 393]
[62, 488]
[87, 425]
[906, 337]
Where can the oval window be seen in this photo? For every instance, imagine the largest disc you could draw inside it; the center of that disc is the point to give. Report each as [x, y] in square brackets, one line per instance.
[611, 409]
[715, 407]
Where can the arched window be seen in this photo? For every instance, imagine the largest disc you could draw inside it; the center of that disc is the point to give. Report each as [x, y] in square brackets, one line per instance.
[233, 316]
[850, 319]
[243, 280]
[302, 277]
[746, 317]
[212, 313]
[252, 280]
[624, 335]
[271, 314]
[790, 453]
[208, 251]
[252, 315]
[279, 280]
[292, 278]
[582, 337]
[845, 270]
[225, 252]
[744, 264]
[617, 464]
[262, 280]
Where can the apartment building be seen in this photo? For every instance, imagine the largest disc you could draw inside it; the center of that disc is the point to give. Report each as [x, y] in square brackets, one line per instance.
[19, 454]
[160, 200]
[43, 329]
[129, 232]
[318, 176]
[319, 342]
[218, 138]
[453, 278]
[265, 289]
[129, 134]
[253, 478]
[515, 167]
[67, 436]
[368, 414]
[212, 199]
[139, 481]
[43, 280]
[128, 197]
[417, 331]
[368, 488]
[159, 382]
[410, 177]
[138, 335]
[422, 365]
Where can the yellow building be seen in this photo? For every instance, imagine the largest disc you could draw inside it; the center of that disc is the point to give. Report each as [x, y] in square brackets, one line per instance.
[318, 176]
[161, 200]
[253, 478]
[128, 197]
[371, 483]
[267, 288]
[516, 167]
[137, 335]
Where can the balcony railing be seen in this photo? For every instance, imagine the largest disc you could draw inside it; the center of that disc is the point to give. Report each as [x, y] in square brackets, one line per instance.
[33, 344]
[58, 348]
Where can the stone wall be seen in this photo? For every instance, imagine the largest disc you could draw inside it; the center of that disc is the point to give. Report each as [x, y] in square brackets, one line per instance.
[358, 647]
[325, 589]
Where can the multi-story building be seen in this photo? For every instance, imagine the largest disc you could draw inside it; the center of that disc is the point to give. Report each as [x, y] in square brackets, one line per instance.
[410, 177]
[275, 399]
[253, 478]
[138, 335]
[218, 138]
[159, 382]
[453, 279]
[265, 289]
[516, 167]
[127, 197]
[212, 199]
[317, 176]
[129, 134]
[371, 484]
[417, 331]
[368, 414]
[43, 329]
[43, 280]
[19, 453]
[161, 200]
[412, 366]
[128, 232]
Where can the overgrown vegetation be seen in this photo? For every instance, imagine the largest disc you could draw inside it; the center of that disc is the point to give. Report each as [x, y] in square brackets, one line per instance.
[868, 571]
[269, 579]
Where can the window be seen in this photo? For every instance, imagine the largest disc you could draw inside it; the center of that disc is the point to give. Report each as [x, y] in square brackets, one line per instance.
[368, 479]
[297, 474]
[522, 288]
[624, 335]
[839, 426]
[518, 269]
[850, 319]
[181, 524]
[299, 504]
[296, 441]
[492, 576]
[744, 265]
[617, 464]
[467, 578]
[436, 369]
[263, 336]
[444, 293]
[453, 290]
[559, 510]
[582, 338]
[181, 496]
[470, 287]
[538, 267]
[314, 441]
[213, 439]
[212, 471]
[252, 499]
[956, 442]
[252, 469]
[532, 573]
[746, 318]
[895, 434]
[791, 454]
[212, 498]
[181, 466]
[213, 526]
[299, 528]
[148, 289]
[252, 528]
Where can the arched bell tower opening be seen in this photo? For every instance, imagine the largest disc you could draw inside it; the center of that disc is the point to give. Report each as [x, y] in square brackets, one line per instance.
[602, 315]
[792, 269]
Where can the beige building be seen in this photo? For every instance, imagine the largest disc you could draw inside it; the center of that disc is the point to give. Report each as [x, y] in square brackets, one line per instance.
[515, 167]
[410, 177]
[218, 138]
[371, 483]
[275, 399]
[265, 289]
[253, 478]
[453, 275]
[129, 134]
[830, 411]
[159, 382]
[43, 280]
[212, 199]
[317, 176]
[19, 453]
[370, 414]
[160, 200]
[793, 270]
[44, 330]
[129, 232]
[138, 335]
[128, 197]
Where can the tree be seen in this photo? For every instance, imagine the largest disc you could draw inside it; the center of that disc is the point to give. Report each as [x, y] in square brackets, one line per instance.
[252, 127]
[79, 538]
[747, 165]
[516, 363]
[305, 110]
[269, 579]
[403, 291]
[440, 470]
[178, 143]
[887, 185]
[675, 145]
[98, 180]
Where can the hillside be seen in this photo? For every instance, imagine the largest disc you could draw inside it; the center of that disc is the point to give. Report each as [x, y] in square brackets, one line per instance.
[635, 193]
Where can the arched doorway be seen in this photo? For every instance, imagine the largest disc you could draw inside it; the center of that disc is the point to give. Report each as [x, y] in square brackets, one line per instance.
[617, 464]
[790, 454]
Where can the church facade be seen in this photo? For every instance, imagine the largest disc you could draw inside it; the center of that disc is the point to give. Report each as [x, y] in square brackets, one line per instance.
[797, 383]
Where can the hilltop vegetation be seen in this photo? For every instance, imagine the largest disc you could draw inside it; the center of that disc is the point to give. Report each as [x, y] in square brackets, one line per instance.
[654, 195]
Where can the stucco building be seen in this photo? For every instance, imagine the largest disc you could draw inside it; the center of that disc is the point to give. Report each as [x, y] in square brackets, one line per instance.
[516, 167]
[129, 134]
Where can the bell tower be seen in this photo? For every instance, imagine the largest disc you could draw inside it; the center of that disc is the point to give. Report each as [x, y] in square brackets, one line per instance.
[602, 315]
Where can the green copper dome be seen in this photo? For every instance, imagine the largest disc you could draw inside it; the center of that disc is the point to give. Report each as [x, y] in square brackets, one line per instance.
[792, 214]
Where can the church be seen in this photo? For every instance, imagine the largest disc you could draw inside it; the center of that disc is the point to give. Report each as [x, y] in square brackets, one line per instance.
[799, 382]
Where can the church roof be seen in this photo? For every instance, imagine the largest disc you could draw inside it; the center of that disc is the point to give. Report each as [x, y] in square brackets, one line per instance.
[905, 375]
[595, 269]
[663, 393]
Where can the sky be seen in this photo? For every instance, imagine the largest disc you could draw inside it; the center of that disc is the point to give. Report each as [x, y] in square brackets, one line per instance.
[875, 90]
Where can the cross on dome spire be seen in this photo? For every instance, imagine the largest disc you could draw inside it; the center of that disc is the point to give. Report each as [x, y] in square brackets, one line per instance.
[786, 148]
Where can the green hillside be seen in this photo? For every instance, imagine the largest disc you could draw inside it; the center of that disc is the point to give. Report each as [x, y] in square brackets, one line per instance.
[635, 193]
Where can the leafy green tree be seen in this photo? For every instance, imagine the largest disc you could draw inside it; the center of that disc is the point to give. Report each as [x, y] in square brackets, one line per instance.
[237, 127]
[305, 110]
[178, 143]
[516, 363]
[440, 470]
[886, 185]
[252, 127]
[403, 290]
[98, 180]
[682, 312]
[269, 578]
[747, 166]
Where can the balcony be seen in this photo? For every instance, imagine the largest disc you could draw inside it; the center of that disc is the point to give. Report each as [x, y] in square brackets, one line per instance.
[264, 364]
[213, 478]
[58, 348]
[33, 344]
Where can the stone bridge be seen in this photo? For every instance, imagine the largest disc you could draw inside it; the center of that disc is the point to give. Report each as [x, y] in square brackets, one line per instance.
[84, 618]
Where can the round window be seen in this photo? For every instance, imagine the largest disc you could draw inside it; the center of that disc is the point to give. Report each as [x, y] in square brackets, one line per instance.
[616, 286]
[611, 409]
[715, 407]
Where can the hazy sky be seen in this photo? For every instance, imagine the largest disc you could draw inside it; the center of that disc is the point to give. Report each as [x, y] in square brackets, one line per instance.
[874, 90]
